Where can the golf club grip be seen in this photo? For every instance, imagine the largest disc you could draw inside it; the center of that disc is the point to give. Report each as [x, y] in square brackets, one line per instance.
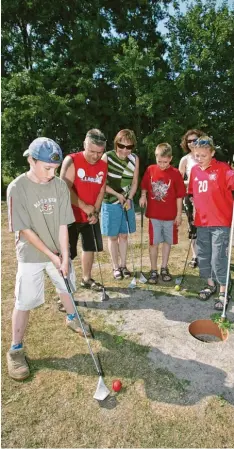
[67, 285]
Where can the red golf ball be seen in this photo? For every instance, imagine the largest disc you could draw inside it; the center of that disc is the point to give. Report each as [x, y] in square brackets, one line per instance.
[116, 385]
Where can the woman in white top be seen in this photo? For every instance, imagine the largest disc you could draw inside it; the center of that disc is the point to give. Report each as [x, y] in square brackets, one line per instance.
[185, 167]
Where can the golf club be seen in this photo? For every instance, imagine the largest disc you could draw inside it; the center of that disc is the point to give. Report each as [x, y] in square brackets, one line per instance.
[225, 303]
[179, 280]
[133, 281]
[142, 278]
[104, 296]
[101, 391]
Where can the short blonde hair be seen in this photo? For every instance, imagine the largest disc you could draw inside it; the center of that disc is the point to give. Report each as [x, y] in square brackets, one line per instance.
[205, 141]
[163, 149]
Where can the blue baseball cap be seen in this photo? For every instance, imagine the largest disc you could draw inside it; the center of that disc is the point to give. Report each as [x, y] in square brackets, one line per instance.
[46, 150]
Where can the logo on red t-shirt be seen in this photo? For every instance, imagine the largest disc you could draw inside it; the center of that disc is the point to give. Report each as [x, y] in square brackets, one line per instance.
[82, 176]
[159, 189]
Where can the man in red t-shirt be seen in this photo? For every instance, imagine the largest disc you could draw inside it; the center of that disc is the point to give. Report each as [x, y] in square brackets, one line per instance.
[162, 192]
[211, 185]
[85, 174]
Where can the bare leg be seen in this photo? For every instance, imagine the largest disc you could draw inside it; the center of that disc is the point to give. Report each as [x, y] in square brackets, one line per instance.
[194, 248]
[166, 248]
[65, 299]
[87, 263]
[114, 251]
[123, 247]
[19, 323]
[153, 253]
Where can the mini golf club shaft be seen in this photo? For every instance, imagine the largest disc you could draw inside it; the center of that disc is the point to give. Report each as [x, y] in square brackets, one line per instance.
[96, 248]
[130, 240]
[98, 368]
[228, 267]
[142, 217]
[186, 260]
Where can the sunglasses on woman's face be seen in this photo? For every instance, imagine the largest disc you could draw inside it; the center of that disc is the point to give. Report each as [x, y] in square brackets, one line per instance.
[128, 147]
[191, 140]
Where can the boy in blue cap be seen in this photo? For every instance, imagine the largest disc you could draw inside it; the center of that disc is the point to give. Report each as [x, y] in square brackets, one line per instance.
[39, 210]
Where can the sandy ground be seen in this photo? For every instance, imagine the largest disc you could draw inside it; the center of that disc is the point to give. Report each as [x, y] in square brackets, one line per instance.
[162, 324]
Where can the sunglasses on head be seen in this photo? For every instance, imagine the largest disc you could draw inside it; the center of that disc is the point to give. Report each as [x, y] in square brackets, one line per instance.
[201, 142]
[55, 157]
[191, 140]
[128, 147]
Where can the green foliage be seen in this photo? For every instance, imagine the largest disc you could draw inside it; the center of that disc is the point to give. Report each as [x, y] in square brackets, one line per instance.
[223, 324]
[67, 67]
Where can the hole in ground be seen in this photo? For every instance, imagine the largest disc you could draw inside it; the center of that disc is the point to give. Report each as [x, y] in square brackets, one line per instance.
[207, 331]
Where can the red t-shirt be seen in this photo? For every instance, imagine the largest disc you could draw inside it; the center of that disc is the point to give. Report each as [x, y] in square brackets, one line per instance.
[211, 189]
[163, 187]
[88, 182]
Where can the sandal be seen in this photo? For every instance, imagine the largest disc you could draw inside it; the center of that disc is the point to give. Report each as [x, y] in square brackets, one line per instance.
[165, 275]
[153, 277]
[92, 284]
[125, 272]
[117, 273]
[207, 292]
[193, 263]
[219, 302]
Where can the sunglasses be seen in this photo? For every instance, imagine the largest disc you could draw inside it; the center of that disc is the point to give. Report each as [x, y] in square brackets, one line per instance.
[191, 140]
[55, 157]
[128, 147]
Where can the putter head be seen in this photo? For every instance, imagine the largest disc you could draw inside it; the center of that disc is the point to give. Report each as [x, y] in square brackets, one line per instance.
[178, 281]
[133, 283]
[102, 391]
[104, 296]
[142, 279]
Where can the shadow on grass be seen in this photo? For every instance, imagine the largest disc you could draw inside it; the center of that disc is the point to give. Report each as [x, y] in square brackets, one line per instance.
[175, 307]
[123, 358]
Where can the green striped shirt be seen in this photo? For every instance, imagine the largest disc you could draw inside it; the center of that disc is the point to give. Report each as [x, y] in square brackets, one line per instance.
[120, 175]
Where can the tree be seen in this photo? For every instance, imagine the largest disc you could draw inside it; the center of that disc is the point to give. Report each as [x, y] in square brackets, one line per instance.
[201, 56]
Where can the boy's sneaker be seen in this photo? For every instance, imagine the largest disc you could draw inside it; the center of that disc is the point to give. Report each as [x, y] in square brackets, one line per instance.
[74, 325]
[17, 364]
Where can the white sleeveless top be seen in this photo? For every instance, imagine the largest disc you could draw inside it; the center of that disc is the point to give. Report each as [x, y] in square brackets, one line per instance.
[190, 162]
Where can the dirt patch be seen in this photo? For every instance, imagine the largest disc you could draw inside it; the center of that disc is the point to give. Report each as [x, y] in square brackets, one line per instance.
[161, 323]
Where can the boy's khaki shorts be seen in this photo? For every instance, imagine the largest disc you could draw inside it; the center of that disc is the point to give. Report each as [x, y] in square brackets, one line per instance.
[29, 287]
[162, 231]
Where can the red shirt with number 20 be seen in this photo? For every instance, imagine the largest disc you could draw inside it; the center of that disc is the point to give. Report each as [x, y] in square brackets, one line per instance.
[212, 194]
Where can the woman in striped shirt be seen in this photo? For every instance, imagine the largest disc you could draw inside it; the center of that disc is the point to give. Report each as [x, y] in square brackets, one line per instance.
[121, 186]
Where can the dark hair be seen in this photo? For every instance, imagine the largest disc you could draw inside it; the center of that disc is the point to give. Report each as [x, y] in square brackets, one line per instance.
[125, 134]
[184, 139]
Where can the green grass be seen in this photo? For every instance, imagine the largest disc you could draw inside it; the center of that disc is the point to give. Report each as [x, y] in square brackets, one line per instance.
[55, 406]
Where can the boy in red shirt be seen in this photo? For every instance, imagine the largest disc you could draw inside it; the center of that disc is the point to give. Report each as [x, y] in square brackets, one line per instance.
[162, 193]
[211, 185]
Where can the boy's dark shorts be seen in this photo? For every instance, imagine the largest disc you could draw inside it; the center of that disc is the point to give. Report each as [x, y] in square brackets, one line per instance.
[87, 240]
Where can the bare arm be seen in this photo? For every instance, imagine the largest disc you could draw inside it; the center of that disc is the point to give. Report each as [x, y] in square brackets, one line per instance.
[135, 180]
[68, 175]
[33, 238]
[182, 170]
[143, 198]
[100, 197]
[178, 218]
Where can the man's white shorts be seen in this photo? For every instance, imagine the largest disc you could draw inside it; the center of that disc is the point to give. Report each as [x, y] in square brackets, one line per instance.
[29, 287]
